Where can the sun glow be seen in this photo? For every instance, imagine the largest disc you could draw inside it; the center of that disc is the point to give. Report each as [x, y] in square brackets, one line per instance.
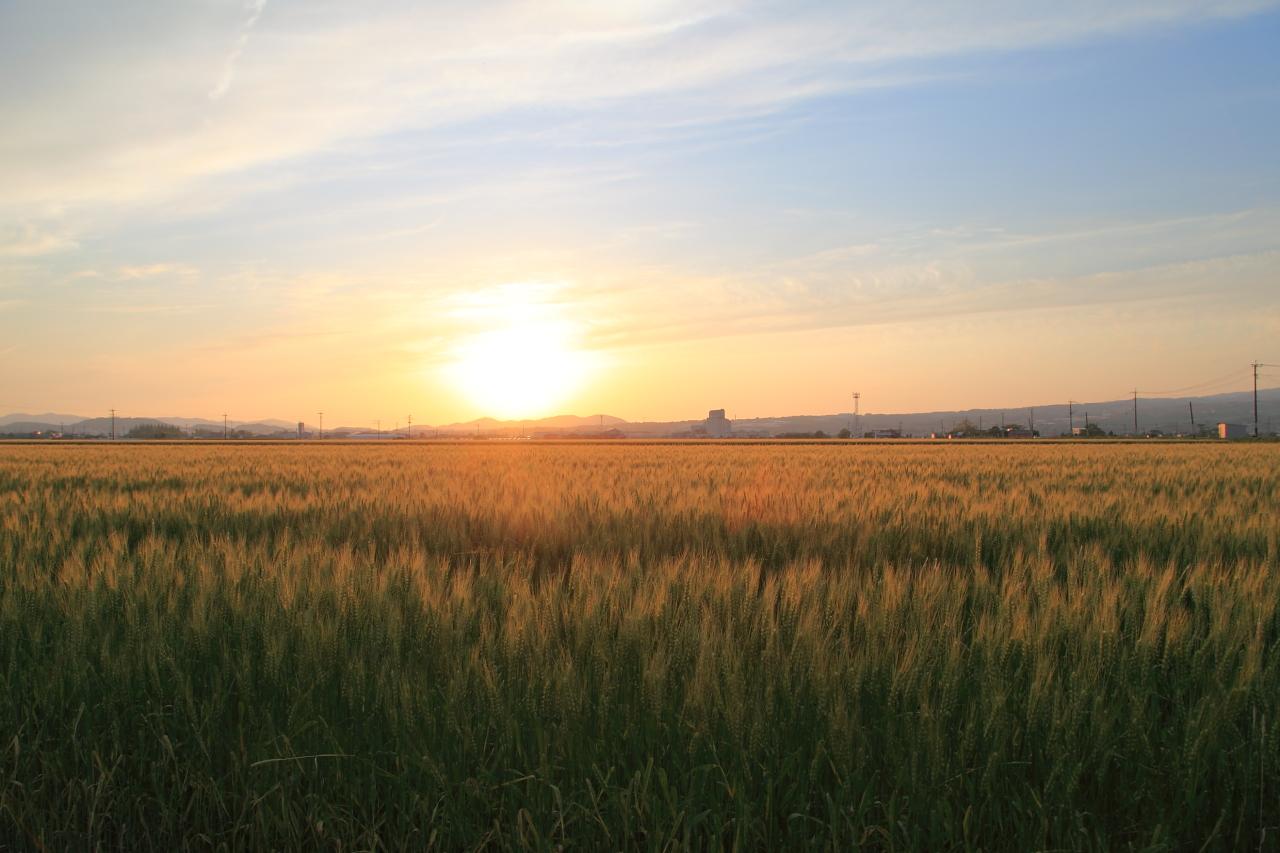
[524, 362]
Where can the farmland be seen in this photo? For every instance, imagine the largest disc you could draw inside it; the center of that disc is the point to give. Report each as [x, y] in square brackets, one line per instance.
[524, 646]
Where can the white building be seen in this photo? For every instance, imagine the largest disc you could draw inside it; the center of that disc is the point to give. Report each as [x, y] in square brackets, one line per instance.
[1226, 430]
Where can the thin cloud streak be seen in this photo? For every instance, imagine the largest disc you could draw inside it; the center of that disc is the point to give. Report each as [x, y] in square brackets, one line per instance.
[148, 271]
[147, 309]
[29, 241]
[242, 40]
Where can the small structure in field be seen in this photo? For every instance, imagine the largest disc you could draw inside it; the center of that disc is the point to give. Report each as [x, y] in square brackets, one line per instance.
[717, 425]
[1226, 430]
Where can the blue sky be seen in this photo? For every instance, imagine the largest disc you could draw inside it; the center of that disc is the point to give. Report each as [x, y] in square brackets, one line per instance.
[279, 206]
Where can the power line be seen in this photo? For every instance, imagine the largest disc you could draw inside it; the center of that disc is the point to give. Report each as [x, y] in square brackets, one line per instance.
[1201, 388]
[1235, 375]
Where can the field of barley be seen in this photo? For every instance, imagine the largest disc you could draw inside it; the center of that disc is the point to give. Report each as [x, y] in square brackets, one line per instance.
[628, 646]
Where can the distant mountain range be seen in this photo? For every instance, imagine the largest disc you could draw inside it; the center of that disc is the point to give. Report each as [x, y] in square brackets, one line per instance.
[78, 425]
[1169, 415]
[46, 418]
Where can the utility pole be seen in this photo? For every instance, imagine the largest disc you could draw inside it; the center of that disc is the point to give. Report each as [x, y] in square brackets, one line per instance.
[1256, 365]
[321, 414]
[378, 424]
[1033, 422]
[224, 426]
[410, 427]
[113, 424]
[1192, 409]
[1135, 411]
[857, 398]
[1071, 417]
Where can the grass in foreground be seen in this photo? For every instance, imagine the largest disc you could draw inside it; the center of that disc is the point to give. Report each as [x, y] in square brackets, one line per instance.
[603, 647]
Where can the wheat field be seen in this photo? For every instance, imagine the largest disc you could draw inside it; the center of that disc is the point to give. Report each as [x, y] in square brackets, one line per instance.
[632, 646]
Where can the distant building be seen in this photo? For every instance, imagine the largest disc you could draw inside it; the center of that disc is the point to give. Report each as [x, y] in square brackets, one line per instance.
[884, 433]
[717, 425]
[1226, 430]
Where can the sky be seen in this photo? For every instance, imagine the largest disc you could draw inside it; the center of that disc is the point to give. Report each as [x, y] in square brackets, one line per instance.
[449, 210]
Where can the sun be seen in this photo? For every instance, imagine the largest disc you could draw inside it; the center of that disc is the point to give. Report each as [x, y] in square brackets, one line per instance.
[522, 368]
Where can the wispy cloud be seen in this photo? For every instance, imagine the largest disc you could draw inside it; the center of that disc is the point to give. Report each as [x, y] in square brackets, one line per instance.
[29, 241]
[1226, 258]
[148, 309]
[131, 127]
[398, 233]
[151, 271]
[254, 8]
